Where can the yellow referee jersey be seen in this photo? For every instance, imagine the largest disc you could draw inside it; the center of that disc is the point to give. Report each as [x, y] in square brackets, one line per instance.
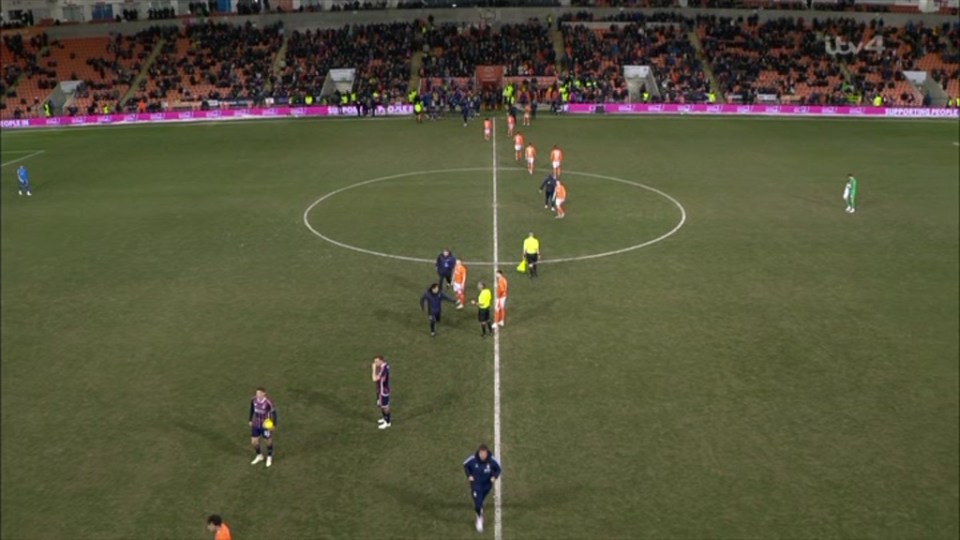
[531, 245]
[485, 299]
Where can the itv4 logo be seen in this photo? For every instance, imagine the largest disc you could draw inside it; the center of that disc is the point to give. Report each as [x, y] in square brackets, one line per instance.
[837, 46]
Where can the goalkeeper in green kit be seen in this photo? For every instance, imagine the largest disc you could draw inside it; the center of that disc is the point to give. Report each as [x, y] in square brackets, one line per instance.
[850, 194]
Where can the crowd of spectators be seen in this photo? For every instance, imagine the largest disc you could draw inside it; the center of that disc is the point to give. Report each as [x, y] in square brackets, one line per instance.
[381, 54]
[452, 50]
[878, 68]
[779, 60]
[19, 58]
[596, 56]
[359, 6]
[161, 13]
[211, 61]
[625, 3]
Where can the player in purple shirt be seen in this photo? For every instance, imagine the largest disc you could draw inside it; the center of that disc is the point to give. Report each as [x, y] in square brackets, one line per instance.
[380, 371]
[262, 410]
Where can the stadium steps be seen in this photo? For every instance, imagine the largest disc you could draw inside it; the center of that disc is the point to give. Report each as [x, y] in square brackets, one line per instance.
[707, 68]
[556, 36]
[279, 62]
[132, 91]
[416, 62]
[949, 43]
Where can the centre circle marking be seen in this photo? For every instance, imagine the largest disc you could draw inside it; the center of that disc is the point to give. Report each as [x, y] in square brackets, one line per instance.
[671, 232]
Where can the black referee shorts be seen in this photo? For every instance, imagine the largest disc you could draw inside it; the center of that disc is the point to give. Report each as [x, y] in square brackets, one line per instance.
[531, 258]
[483, 315]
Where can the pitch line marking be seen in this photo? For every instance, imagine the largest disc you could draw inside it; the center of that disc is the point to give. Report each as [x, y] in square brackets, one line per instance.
[28, 156]
[498, 494]
[671, 232]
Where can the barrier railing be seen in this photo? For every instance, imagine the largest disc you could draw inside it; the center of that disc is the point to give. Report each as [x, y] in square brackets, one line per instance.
[407, 110]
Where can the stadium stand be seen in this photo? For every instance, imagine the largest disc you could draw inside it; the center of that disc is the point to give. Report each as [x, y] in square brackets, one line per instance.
[18, 58]
[213, 61]
[594, 58]
[747, 59]
[381, 53]
[456, 50]
[778, 61]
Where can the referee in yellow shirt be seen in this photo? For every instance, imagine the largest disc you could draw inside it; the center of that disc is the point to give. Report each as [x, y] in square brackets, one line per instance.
[483, 302]
[531, 254]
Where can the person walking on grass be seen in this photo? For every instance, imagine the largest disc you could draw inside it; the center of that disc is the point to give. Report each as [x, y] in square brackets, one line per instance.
[482, 470]
[531, 254]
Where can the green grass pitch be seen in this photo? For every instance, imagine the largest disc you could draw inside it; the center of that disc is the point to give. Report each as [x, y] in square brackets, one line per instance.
[776, 368]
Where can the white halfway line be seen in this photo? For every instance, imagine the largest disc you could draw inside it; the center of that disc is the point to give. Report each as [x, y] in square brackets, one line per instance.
[28, 156]
[498, 494]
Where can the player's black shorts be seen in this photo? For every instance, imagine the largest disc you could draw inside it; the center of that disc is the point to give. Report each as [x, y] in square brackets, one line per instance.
[531, 258]
[256, 431]
[435, 316]
[383, 401]
[483, 314]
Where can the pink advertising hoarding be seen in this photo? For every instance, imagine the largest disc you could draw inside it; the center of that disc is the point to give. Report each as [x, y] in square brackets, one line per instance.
[763, 110]
[199, 116]
[403, 110]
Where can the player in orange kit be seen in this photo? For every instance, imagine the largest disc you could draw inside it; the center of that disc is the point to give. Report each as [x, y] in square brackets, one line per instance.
[487, 128]
[527, 114]
[500, 314]
[511, 124]
[559, 195]
[517, 146]
[459, 282]
[556, 160]
[531, 157]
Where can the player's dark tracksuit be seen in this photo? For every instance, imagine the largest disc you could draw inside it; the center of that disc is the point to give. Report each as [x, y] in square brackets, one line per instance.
[548, 187]
[445, 266]
[434, 301]
[483, 473]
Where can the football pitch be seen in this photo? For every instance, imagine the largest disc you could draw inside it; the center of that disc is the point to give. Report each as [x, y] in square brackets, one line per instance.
[740, 359]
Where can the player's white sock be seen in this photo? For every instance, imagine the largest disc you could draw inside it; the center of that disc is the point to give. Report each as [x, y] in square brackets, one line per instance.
[29, 194]
[269, 460]
[382, 421]
[479, 524]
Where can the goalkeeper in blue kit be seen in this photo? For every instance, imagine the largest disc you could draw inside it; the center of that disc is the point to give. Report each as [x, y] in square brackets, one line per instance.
[23, 181]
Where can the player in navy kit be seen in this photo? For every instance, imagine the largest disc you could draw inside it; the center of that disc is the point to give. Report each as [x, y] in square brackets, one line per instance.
[261, 410]
[380, 371]
[482, 471]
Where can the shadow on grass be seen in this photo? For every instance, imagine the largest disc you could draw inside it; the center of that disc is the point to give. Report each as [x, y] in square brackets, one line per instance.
[402, 283]
[543, 308]
[437, 507]
[444, 401]
[399, 316]
[216, 439]
[332, 403]
[538, 499]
